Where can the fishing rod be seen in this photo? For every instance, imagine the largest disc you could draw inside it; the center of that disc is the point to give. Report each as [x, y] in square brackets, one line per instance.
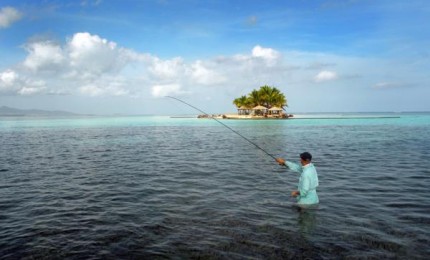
[234, 131]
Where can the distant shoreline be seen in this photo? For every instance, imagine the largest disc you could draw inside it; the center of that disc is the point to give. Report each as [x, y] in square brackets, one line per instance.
[246, 117]
[290, 117]
[349, 117]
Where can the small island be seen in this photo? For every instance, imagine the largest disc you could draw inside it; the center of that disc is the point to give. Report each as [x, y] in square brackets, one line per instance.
[265, 103]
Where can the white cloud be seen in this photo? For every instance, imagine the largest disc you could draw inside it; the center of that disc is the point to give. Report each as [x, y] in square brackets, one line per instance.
[43, 55]
[30, 90]
[91, 90]
[325, 75]
[13, 83]
[167, 69]
[89, 65]
[8, 15]
[95, 90]
[29, 86]
[10, 82]
[105, 86]
[267, 54]
[7, 78]
[202, 74]
[93, 66]
[166, 90]
[93, 55]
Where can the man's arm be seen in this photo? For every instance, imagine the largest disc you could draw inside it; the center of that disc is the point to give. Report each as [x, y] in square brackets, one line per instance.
[293, 166]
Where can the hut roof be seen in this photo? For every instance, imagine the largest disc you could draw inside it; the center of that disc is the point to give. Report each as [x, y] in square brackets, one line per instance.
[275, 109]
[259, 108]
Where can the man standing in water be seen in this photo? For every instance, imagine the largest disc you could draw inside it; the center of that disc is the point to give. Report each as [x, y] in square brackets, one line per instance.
[306, 194]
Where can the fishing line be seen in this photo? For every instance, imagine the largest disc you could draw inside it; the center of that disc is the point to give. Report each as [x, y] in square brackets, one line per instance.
[234, 131]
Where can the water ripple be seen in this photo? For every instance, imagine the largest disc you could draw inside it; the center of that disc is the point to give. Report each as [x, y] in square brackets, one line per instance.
[198, 191]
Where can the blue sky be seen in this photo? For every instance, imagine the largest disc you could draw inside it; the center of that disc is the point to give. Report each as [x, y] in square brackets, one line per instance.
[103, 57]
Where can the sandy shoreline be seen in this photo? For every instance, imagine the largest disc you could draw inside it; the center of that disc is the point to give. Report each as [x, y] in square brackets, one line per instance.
[290, 116]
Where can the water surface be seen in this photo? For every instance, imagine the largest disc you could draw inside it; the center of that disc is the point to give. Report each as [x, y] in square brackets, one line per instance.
[157, 187]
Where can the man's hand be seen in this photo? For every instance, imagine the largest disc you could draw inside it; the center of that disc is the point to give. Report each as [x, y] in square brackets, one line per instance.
[280, 161]
[295, 193]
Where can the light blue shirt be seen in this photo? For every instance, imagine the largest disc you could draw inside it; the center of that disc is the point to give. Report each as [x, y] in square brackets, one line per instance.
[307, 184]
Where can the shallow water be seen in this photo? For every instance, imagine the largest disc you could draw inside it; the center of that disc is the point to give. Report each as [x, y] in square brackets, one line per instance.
[156, 187]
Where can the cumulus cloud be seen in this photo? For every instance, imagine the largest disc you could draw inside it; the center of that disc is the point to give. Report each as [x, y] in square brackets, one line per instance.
[9, 15]
[85, 64]
[267, 54]
[86, 55]
[94, 90]
[325, 75]
[204, 75]
[43, 55]
[260, 65]
[91, 90]
[93, 55]
[166, 90]
[106, 85]
[7, 78]
[32, 90]
[12, 82]
[167, 69]
[90, 65]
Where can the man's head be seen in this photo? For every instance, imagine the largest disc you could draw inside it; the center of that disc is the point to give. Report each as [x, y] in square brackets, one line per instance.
[305, 158]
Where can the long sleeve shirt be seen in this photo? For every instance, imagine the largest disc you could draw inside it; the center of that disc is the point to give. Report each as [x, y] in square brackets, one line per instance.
[307, 184]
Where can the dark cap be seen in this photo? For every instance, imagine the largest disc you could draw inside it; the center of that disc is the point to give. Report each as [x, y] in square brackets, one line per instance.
[306, 156]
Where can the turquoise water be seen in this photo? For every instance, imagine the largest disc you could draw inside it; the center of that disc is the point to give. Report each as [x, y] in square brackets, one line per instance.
[145, 187]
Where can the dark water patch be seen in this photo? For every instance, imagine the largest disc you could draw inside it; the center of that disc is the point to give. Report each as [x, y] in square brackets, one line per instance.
[416, 219]
[385, 178]
[371, 242]
[424, 176]
[401, 205]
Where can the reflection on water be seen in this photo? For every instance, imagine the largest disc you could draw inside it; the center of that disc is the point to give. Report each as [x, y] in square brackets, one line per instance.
[307, 220]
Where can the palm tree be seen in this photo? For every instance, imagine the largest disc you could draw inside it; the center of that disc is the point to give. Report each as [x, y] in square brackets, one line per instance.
[267, 96]
[272, 96]
[278, 98]
[255, 98]
[280, 101]
[242, 101]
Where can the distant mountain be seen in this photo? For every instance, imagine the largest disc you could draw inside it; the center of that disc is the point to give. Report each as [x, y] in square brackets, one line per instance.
[8, 111]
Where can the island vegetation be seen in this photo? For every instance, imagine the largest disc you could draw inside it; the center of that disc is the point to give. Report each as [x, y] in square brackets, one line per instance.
[264, 103]
[266, 96]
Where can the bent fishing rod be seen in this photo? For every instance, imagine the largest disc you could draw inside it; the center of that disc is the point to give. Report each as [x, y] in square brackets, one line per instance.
[226, 126]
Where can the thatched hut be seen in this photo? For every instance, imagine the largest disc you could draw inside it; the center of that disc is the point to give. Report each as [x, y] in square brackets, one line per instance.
[259, 111]
[275, 111]
[243, 110]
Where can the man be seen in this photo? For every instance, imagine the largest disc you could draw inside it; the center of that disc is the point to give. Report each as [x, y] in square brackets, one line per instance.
[306, 194]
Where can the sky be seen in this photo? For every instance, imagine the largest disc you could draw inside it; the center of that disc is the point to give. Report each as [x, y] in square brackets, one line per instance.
[124, 57]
